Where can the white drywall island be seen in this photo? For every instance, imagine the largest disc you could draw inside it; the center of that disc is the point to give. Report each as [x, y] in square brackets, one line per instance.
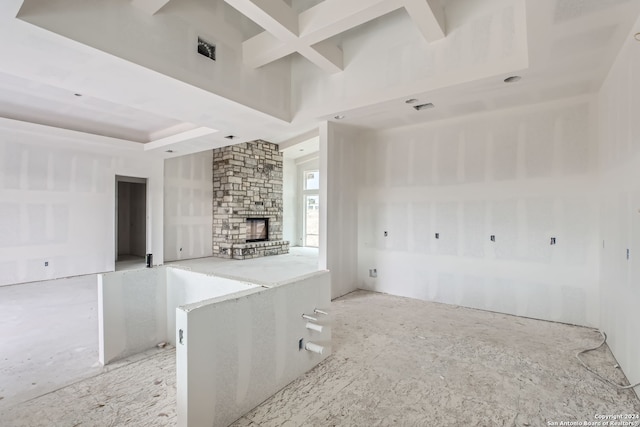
[137, 308]
[239, 349]
[237, 343]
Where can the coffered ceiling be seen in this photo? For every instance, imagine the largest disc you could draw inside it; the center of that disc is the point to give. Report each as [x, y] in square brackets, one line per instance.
[128, 71]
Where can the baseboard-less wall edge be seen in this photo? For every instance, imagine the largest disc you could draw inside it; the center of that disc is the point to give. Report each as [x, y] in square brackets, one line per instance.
[237, 350]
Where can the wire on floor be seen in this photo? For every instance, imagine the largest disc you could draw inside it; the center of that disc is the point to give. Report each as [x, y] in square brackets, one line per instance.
[604, 341]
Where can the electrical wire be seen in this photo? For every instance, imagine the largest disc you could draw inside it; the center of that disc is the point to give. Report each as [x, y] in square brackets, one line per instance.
[604, 341]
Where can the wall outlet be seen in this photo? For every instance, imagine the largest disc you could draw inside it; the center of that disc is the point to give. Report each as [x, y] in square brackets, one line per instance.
[46, 263]
[373, 272]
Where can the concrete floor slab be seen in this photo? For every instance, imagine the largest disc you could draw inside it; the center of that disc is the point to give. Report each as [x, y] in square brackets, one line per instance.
[49, 336]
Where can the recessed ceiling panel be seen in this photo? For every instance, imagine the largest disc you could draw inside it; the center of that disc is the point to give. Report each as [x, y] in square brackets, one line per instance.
[33, 102]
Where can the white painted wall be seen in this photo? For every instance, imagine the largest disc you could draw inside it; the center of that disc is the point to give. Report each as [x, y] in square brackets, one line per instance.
[524, 175]
[57, 204]
[340, 166]
[188, 209]
[241, 349]
[619, 161]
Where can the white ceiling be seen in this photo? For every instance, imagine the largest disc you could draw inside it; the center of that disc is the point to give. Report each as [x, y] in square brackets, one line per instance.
[54, 50]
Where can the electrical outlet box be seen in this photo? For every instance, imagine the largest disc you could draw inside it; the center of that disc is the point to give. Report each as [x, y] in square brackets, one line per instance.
[373, 272]
[46, 263]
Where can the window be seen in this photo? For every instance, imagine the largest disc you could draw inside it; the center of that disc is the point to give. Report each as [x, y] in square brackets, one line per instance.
[311, 200]
[312, 180]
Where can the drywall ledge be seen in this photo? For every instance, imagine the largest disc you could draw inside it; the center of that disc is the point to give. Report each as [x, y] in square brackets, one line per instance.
[238, 350]
[132, 312]
[137, 308]
[187, 287]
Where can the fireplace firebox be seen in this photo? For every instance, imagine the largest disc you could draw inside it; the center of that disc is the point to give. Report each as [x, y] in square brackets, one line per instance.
[257, 230]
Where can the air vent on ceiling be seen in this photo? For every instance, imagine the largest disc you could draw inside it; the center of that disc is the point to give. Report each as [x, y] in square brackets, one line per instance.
[206, 49]
[423, 106]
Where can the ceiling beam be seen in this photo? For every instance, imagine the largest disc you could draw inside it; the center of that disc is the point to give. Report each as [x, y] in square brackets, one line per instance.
[150, 6]
[314, 26]
[325, 55]
[428, 15]
[275, 16]
[281, 36]
[332, 17]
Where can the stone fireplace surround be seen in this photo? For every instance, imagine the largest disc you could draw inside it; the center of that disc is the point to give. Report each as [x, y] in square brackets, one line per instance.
[247, 183]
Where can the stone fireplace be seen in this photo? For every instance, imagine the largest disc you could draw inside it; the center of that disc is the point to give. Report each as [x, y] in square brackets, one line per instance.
[247, 201]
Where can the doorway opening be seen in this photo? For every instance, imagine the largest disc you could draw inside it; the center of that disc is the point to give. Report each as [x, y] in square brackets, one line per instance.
[131, 220]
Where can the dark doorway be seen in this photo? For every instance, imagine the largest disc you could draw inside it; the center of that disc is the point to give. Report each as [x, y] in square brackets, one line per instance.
[131, 218]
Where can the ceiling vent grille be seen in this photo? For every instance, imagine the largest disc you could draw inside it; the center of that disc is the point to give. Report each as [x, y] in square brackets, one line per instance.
[423, 106]
[207, 49]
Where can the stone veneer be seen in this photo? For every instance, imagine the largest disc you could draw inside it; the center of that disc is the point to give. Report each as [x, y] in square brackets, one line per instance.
[247, 183]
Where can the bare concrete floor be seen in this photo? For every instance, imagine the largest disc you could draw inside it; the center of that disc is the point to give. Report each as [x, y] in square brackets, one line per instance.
[49, 336]
[396, 361]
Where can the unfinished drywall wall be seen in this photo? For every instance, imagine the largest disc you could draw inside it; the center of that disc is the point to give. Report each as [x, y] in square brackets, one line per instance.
[525, 176]
[57, 204]
[137, 308]
[132, 312]
[340, 174]
[290, 218]
[188, 219]
[619, 163]
[187, 287]
[239, 350]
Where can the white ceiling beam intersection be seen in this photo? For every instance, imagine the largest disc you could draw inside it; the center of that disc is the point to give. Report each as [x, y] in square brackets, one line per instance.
[281, 31]
[323, 21]
[275, 16]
